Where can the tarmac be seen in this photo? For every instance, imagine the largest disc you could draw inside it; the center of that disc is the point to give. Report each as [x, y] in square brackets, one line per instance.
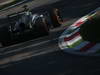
[3, 2]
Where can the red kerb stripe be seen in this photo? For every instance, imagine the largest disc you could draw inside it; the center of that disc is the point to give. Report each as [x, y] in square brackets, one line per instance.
[79, 23]
[71, 37]
[87, 47]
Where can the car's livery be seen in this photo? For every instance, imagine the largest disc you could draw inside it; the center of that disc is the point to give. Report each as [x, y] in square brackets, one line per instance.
[25, 25]
[72, 41]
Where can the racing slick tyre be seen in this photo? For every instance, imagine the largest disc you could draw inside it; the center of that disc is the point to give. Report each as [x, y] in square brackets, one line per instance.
[42, 27]
[55, 17]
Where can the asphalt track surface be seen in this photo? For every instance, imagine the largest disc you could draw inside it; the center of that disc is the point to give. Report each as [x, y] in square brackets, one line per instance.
[43, 56]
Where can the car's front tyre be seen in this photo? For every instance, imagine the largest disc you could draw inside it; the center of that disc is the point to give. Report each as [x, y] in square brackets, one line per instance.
[55, 17]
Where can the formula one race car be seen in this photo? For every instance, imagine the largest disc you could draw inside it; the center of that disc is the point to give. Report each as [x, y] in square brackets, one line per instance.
[24, 25]
[83, 37]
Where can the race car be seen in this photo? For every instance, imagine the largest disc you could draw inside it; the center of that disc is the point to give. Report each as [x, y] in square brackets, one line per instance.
[25, 25]
[83, 36]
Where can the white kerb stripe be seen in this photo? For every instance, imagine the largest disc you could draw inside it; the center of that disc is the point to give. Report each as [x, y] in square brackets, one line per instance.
[74, 40]
[68, 35]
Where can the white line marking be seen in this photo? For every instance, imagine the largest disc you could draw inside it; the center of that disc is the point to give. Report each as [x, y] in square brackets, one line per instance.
[33, 45]
[21, 56]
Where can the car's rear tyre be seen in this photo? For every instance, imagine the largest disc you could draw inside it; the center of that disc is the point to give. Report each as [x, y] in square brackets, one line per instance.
[55, 17]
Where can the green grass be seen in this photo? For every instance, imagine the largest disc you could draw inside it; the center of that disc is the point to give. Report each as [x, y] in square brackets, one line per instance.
[9, 4]
[76, 43]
